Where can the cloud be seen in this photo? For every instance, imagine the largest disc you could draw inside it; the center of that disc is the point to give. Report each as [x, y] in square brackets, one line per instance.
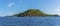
[57, 11]
[10, 4]
[2, 14]
[11, 13]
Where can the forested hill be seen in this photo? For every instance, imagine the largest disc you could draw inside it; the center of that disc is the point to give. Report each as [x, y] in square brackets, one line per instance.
[31, 12]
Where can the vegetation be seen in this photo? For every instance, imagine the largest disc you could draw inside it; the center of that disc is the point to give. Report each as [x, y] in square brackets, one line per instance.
[31, 12]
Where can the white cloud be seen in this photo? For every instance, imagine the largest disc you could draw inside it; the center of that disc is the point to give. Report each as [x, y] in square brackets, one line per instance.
[11, 13]
[57, 11]
[10, 4]
[2, 14]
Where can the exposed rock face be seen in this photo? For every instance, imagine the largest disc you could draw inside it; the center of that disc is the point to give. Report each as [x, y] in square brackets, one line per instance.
[31, 12]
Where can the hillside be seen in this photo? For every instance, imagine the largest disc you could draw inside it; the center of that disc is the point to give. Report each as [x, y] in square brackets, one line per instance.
[31, 12]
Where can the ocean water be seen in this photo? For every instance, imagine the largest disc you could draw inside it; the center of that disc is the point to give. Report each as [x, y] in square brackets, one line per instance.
[29, 21]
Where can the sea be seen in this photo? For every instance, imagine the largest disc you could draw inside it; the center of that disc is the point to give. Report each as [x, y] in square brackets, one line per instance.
[30, 21]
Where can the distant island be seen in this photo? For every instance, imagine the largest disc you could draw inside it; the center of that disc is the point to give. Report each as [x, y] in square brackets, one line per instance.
[32, 12]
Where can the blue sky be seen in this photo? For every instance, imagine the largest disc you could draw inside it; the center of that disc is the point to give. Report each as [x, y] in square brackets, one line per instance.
[10, 7]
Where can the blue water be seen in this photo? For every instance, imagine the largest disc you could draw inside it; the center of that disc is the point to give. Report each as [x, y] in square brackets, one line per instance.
[29, 21]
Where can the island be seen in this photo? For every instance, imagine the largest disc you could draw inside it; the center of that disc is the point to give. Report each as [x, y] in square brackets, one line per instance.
[32, 12]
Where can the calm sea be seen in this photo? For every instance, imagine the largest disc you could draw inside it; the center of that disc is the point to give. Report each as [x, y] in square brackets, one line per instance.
[29, 21]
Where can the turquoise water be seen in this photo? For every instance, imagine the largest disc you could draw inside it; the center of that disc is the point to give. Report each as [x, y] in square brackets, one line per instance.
[29, 21]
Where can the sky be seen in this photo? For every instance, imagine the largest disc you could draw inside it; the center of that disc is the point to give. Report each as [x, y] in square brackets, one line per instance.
[10, 7]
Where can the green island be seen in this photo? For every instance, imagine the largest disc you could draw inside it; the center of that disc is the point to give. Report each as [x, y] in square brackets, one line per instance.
[32, 12]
